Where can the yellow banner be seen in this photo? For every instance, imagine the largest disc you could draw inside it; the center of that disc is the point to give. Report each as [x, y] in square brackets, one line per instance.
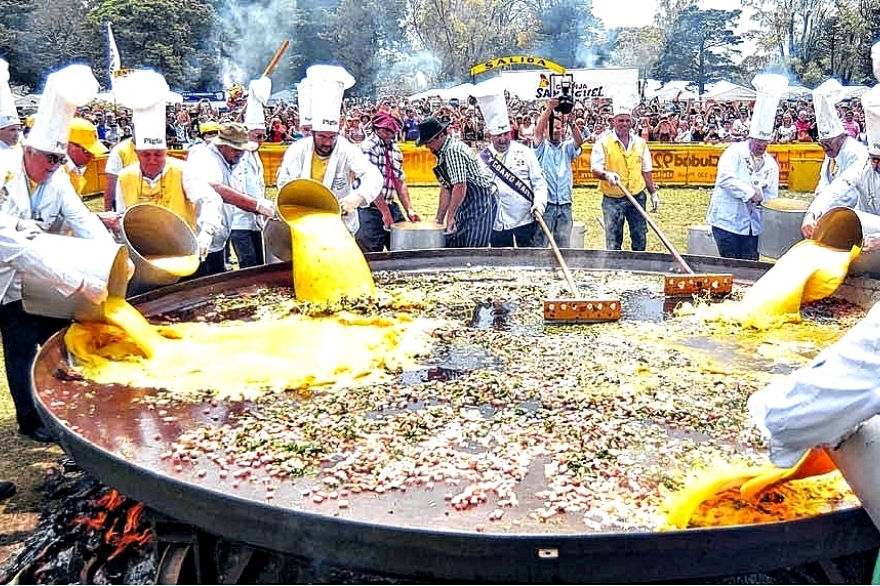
[528, 60]
[674, 164]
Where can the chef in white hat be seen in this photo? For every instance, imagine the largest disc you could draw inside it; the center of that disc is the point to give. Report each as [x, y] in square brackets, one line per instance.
[328, 157]
[35, 198]
[10, 123]
[841, 152]
[858, 187]
[304, 106]
[747, 175]
[622, 158]
[246, 236]
[157, 178]
[522, 188]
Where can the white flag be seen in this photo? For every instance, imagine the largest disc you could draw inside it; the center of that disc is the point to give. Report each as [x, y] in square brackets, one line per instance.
[114, 62]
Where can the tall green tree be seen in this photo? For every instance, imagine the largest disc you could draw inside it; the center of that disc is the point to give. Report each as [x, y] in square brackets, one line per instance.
[636, 47]
[462, 33]
[162, 34]
[699, 47]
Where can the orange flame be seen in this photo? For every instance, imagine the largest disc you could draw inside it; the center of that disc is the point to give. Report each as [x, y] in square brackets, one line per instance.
[111, 500]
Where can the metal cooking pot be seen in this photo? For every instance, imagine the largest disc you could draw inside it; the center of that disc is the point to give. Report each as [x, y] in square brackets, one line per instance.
[277, 241]
[97, 258]
[417, 235]
[151, 230]
[842, 228]
[781, 220]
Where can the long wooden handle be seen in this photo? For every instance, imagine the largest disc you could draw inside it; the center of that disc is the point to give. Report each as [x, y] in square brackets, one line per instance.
[666, 242]
[559, 259]
[269, 69]
[276, 58]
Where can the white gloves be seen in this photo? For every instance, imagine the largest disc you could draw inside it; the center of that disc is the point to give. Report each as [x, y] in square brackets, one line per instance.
[204, 240]
[93, 289]
[612, 177]
[655, 201]
[28, 228]
[266, 207]
[350, 203]
[538, 208]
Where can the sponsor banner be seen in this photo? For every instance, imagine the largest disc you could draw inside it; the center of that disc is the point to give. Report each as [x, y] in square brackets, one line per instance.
[585, 83]
[216, 96]
[674, 165]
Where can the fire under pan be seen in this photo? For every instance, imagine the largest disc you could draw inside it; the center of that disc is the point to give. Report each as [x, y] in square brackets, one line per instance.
[112, 433]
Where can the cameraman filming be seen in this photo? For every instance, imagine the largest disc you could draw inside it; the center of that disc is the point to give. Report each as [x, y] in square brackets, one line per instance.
[556, 152]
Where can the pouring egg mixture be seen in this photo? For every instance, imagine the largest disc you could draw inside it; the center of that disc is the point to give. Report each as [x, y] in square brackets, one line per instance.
[242, 359]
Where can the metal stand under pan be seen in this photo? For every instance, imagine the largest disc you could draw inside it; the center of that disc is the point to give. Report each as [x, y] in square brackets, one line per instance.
[121, 446]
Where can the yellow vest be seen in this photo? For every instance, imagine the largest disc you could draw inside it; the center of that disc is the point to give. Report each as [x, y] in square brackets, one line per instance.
[168, 193]
[127, 154]
[78, 181]
[627, 164]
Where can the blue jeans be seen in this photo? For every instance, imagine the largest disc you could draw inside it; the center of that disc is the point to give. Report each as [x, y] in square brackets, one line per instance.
[523, 235]
[248, 246]
[559, 221]
[616, 210]
[372, 235]
[731, 245]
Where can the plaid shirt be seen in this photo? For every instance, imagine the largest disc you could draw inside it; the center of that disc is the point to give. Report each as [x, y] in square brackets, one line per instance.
[375, 150]
[457, 163]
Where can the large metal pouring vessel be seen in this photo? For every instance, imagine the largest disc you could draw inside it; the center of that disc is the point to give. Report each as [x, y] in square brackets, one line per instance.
[121, 442]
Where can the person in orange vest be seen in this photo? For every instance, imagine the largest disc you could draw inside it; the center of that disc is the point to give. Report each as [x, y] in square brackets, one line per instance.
[83, 145]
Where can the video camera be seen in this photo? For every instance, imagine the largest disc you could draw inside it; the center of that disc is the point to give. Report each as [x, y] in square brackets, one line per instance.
[565, 102]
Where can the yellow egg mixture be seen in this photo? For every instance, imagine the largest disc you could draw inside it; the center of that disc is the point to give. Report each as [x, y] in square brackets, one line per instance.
[809, 271]
[725, 495]
[245, 358]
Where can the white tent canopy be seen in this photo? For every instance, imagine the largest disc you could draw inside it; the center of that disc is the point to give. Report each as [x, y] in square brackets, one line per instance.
[283, 95]
[673, 89]
[852, 91]
[725, 91]
[171, 98]
[795, 92]
[459, 92]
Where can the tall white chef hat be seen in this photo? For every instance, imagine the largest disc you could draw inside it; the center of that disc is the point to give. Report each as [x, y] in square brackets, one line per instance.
[259, 91]
[824, 99]
[493, 105]
[8, 112]
[65, 91]
[304, 99]
[624, 103]
[329, 82]
[769, 87]
[871, 106]
[145, 92]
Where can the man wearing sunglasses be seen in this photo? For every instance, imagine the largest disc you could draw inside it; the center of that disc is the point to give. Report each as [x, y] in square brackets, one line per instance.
[36, 198]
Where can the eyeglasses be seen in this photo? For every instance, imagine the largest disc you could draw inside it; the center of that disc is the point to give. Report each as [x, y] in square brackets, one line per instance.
[54, 159]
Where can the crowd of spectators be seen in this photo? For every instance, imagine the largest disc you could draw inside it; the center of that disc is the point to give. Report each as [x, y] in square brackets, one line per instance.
[674, 121]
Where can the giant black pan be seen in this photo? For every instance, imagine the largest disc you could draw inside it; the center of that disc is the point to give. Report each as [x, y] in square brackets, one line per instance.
[120, 442]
